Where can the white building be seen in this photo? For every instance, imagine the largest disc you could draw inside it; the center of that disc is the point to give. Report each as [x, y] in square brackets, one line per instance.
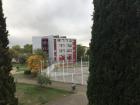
[58, 48]
[36, 42]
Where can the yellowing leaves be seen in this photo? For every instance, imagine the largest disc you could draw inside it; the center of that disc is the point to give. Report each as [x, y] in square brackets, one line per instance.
[34, 63]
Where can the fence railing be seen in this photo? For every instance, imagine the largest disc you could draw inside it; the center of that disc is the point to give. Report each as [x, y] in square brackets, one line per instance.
[76, 73]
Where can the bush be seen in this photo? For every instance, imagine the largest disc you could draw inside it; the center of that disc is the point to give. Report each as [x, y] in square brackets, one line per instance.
[43, 80]
[27, 72]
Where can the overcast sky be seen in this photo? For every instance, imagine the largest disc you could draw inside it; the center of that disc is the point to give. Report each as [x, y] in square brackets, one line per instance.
[27, 18]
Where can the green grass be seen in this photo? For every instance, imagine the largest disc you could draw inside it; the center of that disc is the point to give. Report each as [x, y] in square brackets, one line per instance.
[21, 67]
[35, 95]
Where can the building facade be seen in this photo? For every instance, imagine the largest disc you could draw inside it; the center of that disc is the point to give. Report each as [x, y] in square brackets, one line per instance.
[36, 42]
[59, 48]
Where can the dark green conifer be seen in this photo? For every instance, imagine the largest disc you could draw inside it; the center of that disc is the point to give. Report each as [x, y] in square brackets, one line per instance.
[7, 85]
[115, 53]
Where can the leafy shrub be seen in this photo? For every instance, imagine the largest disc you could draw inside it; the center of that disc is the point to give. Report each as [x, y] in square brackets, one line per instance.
[27, 72]
[43, 80]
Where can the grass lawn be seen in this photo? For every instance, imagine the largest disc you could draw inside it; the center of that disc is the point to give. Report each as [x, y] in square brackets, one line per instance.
[21, 67]
[35, 95]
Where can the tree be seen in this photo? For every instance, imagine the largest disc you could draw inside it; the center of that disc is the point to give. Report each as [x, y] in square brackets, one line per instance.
[34, 63]
[27, 49]
[21, 54]
[115, 53]
[13, 53]
[16, 48]
[22, 58]
[43, 54]
[88, 52]
[80, 52]
[7, 85]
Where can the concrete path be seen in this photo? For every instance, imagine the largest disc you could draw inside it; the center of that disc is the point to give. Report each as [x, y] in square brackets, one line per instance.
[78, 98]
[74, 99]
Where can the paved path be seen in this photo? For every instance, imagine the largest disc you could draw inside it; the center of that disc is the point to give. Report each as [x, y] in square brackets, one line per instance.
[74, 99]
[78, 98]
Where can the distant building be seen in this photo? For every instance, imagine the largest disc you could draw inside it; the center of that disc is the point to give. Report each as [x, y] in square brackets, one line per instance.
[58, 48]
[36, 42]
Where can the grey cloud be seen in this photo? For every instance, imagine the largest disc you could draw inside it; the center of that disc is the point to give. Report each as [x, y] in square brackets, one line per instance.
[66, 17]
[18, 41]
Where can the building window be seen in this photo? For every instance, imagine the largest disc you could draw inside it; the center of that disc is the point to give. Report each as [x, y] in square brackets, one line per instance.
[69, 45]
[60, 51]
[61, 45]
[58, 40]
[69, 50]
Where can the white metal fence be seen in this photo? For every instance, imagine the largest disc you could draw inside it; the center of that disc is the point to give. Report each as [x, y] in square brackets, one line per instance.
[70, 73]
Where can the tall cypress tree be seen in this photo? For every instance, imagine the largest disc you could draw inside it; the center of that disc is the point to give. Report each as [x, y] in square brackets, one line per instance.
[7, 85]
[115, 53]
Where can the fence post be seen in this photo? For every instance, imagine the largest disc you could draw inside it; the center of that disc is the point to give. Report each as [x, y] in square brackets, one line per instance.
[48, 71]
[72, 78]
[82, 72]
[55, 75]
[67, 66]
[63, 72]
[40, 66]
[74, 69]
